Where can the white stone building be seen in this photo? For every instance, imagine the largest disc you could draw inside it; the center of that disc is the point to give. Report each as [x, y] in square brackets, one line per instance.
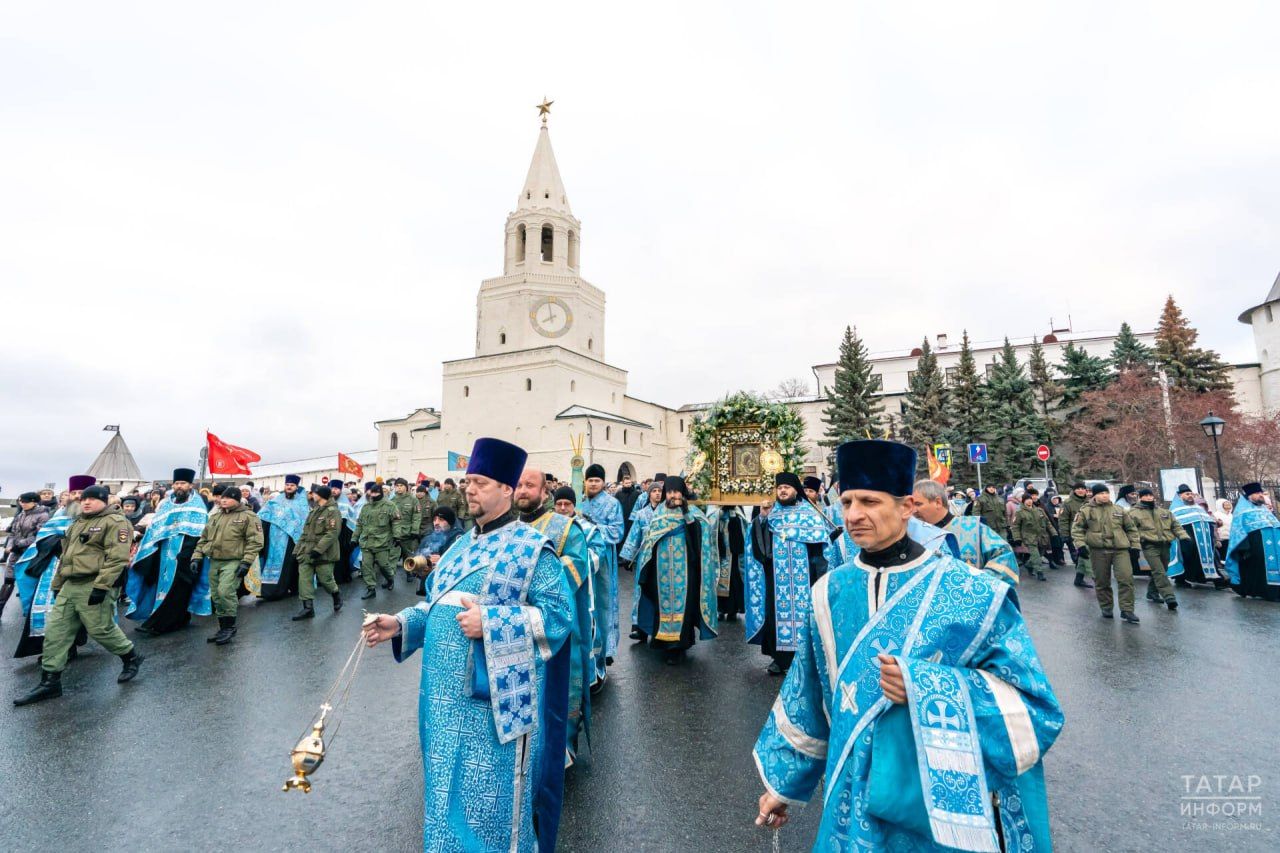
[539, 377]
[1257, 386]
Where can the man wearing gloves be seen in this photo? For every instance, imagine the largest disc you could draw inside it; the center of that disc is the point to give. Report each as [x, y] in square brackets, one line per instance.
[231, 540]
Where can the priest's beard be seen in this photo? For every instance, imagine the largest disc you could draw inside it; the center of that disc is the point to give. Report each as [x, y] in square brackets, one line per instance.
[790, 502]
[180, 497]
[290, 495]
[675, 503]
[528, 505]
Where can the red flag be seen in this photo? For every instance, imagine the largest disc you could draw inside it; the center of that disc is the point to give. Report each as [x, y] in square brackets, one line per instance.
[227, 458]
[422, 478]
[347, 465]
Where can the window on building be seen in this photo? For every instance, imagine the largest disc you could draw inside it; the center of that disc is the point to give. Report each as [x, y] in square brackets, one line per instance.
[607, 433]
[502, 337]
[591, 343]
[991, 368]
[624, 436]
[952, 372]
[528, 385]
[1268, 313]
[642, 439]
[613, 398]
[395, 441]
[521, 242]
[466, 390]
[682, 424]
[573, 385]
[911, 376]
[877, 382]
[547, 238]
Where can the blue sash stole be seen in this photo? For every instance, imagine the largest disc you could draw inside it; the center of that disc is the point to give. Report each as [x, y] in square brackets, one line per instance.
[36, 594]
[172, 522]
[794, 528]
[974, 545]
[1245, 520]
[940, 616]
[664, 538]
[286, 518]
[1201, 524]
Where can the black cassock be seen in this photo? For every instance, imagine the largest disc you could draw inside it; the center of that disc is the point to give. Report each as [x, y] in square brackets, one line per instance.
[288, 583]
[733, 540]
[1252, 561]
[172, 613]
[762, 548]
[1192, 568]
[692, 595]
[343, 572]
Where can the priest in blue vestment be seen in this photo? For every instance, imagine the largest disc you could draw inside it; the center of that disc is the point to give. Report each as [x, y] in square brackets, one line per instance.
[790, 547]
[677, 570]
[348, 552]
[1253, 551]
[916, 695]
[603, 510]
[494, 679]
[641, 513]
[732, 537]
[570, 541]
[164, 591]
[282, 520]
[965, 537]
[1194, 559]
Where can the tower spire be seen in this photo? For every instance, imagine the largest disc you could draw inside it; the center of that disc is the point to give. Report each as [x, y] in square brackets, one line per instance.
[543, 189]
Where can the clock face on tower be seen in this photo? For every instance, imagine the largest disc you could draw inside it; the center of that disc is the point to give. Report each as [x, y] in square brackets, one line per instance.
[551, 317]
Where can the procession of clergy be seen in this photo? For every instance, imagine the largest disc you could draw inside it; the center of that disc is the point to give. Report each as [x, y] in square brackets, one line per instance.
[886, 613]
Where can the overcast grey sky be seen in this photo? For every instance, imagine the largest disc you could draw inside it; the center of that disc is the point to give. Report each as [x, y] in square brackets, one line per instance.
[210, 213]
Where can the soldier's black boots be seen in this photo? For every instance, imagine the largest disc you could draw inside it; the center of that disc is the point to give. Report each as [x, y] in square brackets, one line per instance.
[368, 594]
[308, 611]
[132, 660]
[1129, 617]
[50, 688]
[1152, 594]
[226, 630]
[1080, 581]
[337, 601]
[389, 585]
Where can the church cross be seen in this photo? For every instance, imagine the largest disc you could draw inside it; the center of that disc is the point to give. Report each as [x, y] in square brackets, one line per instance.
[941, 715]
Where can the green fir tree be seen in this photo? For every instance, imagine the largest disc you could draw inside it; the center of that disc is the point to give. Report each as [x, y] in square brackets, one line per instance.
[926, 407]
[1014, 430]
[1081, 373]
[1046, 389]
[1129, 353]
[967, 423]
[854, 411]
[1187, 365]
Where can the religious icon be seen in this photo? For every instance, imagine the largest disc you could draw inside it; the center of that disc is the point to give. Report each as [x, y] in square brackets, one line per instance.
[746, 460]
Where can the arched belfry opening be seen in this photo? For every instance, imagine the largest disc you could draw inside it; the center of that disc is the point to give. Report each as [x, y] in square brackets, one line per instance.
[548, 240]
[521, 243]
[573, 249]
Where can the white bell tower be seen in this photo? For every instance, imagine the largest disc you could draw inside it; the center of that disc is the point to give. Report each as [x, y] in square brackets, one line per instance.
[541, 299]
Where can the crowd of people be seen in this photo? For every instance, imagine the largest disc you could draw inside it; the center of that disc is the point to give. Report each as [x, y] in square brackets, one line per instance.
[876, 593]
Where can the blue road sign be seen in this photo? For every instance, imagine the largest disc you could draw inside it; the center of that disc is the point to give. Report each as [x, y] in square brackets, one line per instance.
[977, 454]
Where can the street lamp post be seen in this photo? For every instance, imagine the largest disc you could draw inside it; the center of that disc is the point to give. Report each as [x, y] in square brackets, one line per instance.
[1213, 427]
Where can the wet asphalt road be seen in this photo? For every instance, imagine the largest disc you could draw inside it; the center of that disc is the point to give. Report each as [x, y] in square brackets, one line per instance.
[191, 756]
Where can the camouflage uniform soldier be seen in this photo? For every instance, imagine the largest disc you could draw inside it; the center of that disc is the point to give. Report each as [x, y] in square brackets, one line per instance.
[94, 555]
[1157, 530]
[375, 534]
[1104, 533]
[232, 540]
[318, 550]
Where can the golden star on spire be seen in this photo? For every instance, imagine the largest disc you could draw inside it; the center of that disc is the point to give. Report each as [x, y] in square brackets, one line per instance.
[544, 109]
